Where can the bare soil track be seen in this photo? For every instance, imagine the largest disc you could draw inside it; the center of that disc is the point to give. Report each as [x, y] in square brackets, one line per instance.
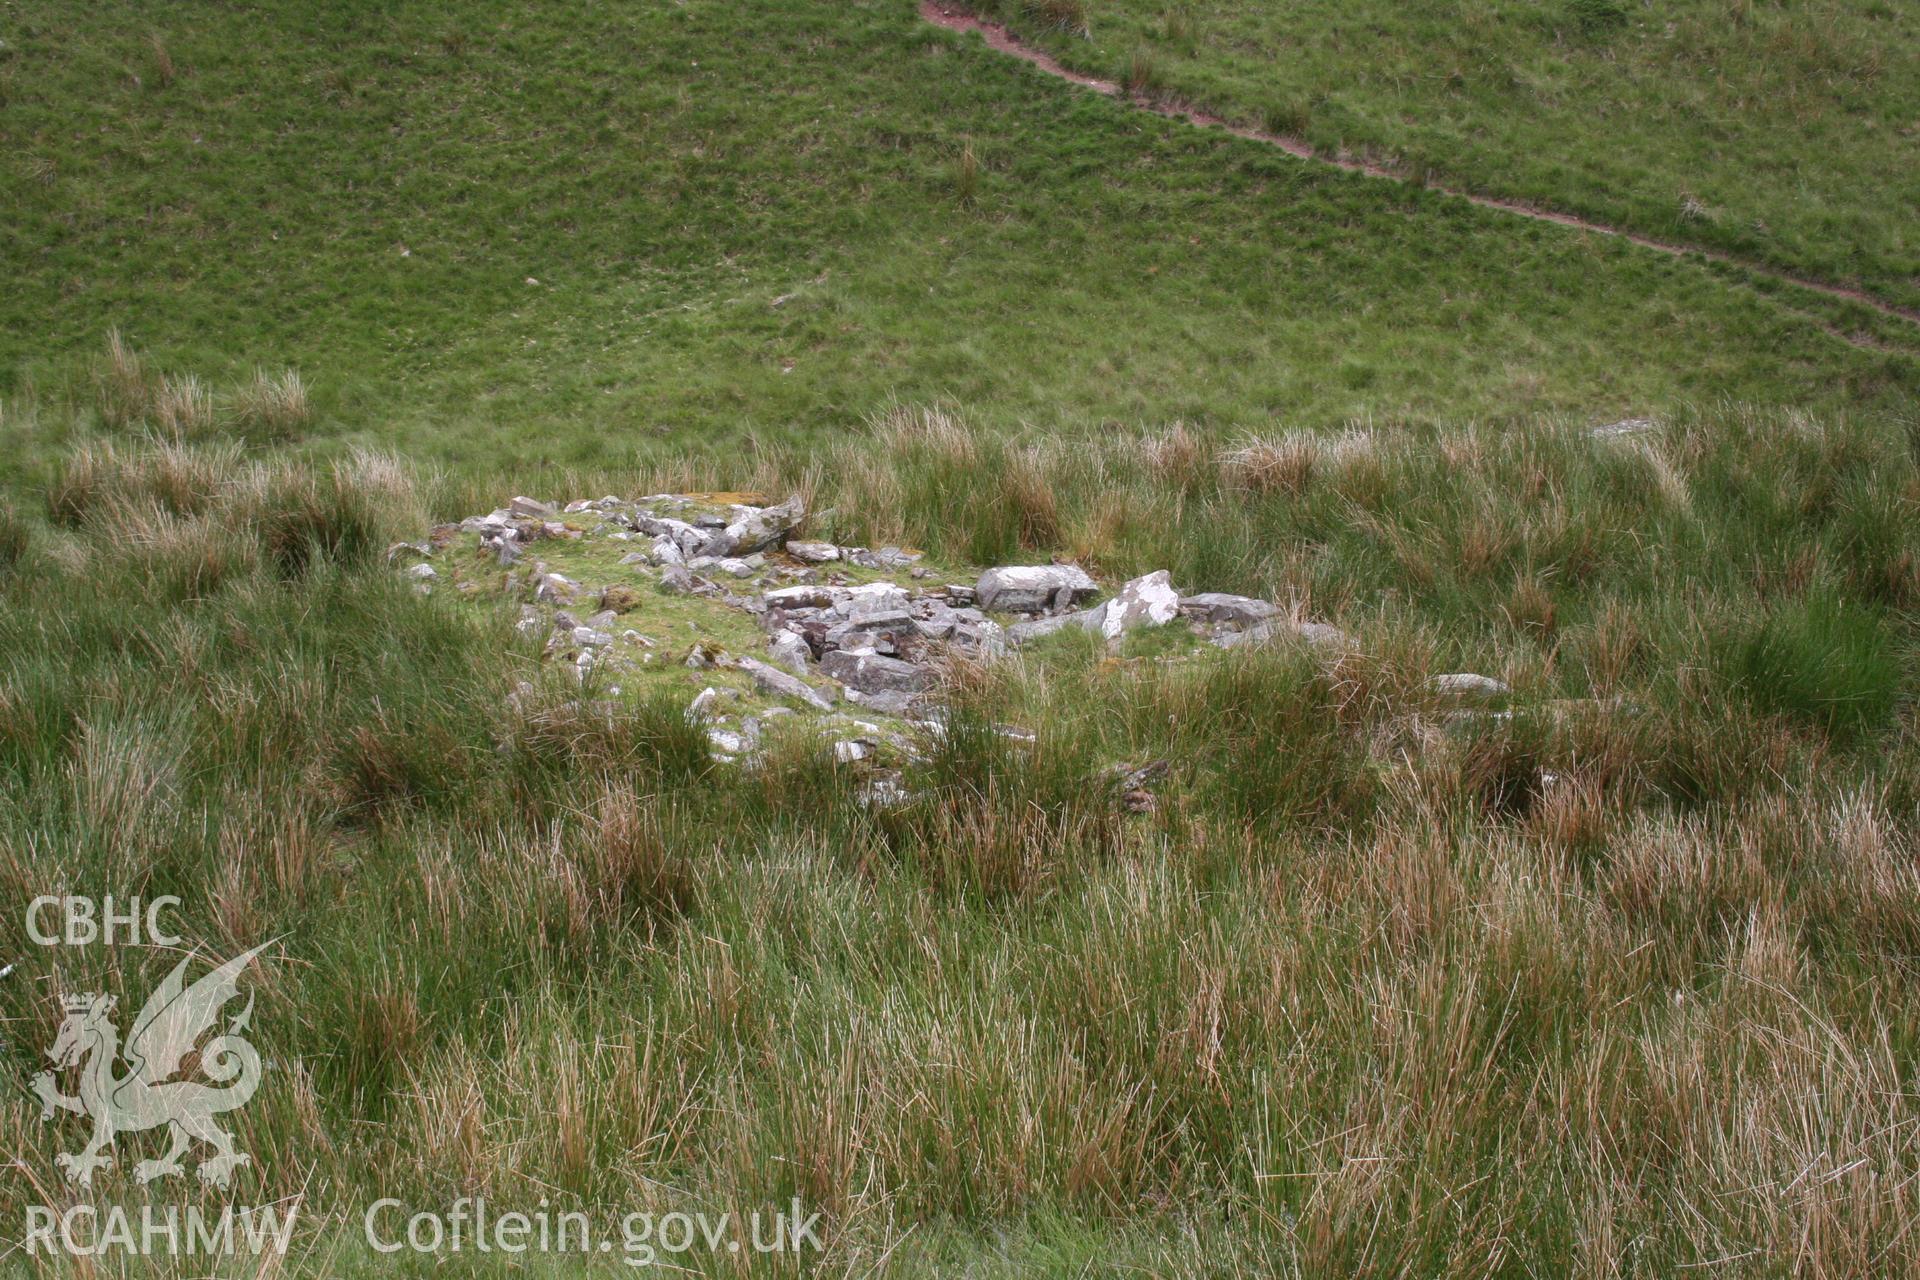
[956, 17]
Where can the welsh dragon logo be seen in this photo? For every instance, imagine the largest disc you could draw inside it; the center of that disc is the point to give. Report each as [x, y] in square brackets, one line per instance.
[145, 1096]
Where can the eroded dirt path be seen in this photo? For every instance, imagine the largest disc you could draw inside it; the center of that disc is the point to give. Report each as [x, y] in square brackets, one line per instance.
[956, 17]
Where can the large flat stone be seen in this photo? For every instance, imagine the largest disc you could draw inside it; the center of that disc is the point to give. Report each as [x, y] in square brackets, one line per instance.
[783, 684]
[874, 673]
[1032, 588]
[1218, 606]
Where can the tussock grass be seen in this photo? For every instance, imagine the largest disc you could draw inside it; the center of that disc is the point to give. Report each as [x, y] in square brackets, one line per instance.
[183, 407]
[122, 391]
[966, 174]
[1143, 79]
[1603, 968]
[15, 537]
[164, 71]
[130, 396]
[1612, 975]
[1820, 659]
[1069, 16]
[272, 404]
[1508, 533]
[1265, 465]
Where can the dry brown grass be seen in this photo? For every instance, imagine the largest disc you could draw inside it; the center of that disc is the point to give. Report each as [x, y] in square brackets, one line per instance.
[123, 393]
[966, 174]
[164, 72]
[1282, 465]
[1481, 992]
[182, 407]
[1064, 15]
[1178, 456]
[273, 404]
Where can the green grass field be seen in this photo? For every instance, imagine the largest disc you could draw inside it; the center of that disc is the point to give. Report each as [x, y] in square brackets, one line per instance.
[1788, 134]
[1612, 976]
[365, 192]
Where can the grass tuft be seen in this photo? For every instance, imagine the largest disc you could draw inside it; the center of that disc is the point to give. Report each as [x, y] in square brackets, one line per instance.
[182, 407]
[122, 393]
[1282, 465]
[1820, 660]
[274, 406]
[1143, 78]
[15, 537]
[306, 519]
[966, 174]
[163, 69]
[1594, 16]
[1069, 16]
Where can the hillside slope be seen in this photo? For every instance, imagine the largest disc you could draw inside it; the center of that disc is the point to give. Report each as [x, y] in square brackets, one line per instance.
[1787, 134]
[560, 233]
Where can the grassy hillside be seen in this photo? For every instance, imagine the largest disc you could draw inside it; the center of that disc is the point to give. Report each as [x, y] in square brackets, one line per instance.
[1786, 133]
[508, 235]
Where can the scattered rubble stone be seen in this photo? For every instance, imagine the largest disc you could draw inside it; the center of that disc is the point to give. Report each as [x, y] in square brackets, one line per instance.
[1127, 776]
[869, 672]
[805, 596]
[781, 684]
[1033, 588]
[721, 564]
[760, 528]
[884, 558]
[879, 643]
[1319, 634]
[1465, 684]
[874, 597]
[1023, 632]
[1624, 427]
[701, 656]
[1148, 601]
[812, 552]
[891, 702]
[1218, 606]
[886, 792]
[985, 639]
[880, 622]
[556, 588]
[790, 650]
